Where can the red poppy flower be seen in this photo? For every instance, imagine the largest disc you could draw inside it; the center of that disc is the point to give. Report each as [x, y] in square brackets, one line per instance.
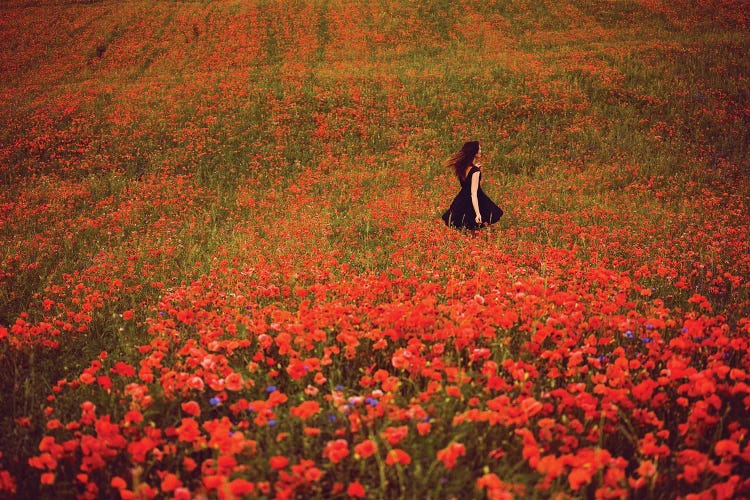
[306, 409]
[450, 454]
[356, 490]
[365, 448]
[397, 456]
[278, 462]
[191, 408]
[336, 450]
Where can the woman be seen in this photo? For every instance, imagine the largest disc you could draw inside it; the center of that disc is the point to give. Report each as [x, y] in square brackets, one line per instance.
[471, 208]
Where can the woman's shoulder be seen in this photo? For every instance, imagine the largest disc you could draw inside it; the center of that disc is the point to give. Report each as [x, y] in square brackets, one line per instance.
[469, 173]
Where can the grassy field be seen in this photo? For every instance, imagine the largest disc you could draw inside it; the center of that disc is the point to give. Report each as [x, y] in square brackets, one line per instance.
[223, 271]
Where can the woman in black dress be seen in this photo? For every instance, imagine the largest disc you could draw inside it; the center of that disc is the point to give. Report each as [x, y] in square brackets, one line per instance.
[471, 208]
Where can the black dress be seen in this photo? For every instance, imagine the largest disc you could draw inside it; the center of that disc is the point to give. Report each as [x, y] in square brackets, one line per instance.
[461, 214]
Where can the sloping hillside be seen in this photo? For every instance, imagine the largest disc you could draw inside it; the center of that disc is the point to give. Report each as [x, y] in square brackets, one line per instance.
[223, 270]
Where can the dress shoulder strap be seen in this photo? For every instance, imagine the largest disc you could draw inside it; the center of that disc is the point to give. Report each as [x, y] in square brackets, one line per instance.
[470, 172]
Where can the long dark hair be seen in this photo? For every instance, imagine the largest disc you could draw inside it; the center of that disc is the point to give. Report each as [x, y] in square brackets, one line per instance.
[463, 158]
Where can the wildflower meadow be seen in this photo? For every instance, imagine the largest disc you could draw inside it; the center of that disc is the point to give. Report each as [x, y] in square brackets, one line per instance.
[223, 272]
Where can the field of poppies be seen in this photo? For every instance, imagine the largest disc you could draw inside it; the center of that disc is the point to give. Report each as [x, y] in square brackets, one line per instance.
[223, 272]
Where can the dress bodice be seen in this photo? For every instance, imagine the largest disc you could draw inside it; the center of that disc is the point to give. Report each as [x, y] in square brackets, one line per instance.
[466, 183]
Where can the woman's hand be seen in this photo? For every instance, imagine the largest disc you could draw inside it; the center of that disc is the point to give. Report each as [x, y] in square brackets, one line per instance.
[478, 219]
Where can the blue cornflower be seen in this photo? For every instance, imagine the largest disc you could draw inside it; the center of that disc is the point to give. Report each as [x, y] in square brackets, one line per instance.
[271, 388]
[272, 422]
[371, 401]
[629, 334]
[214, 401]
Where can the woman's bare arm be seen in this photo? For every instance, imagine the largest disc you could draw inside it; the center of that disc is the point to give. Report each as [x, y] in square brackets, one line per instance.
[474, 199]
